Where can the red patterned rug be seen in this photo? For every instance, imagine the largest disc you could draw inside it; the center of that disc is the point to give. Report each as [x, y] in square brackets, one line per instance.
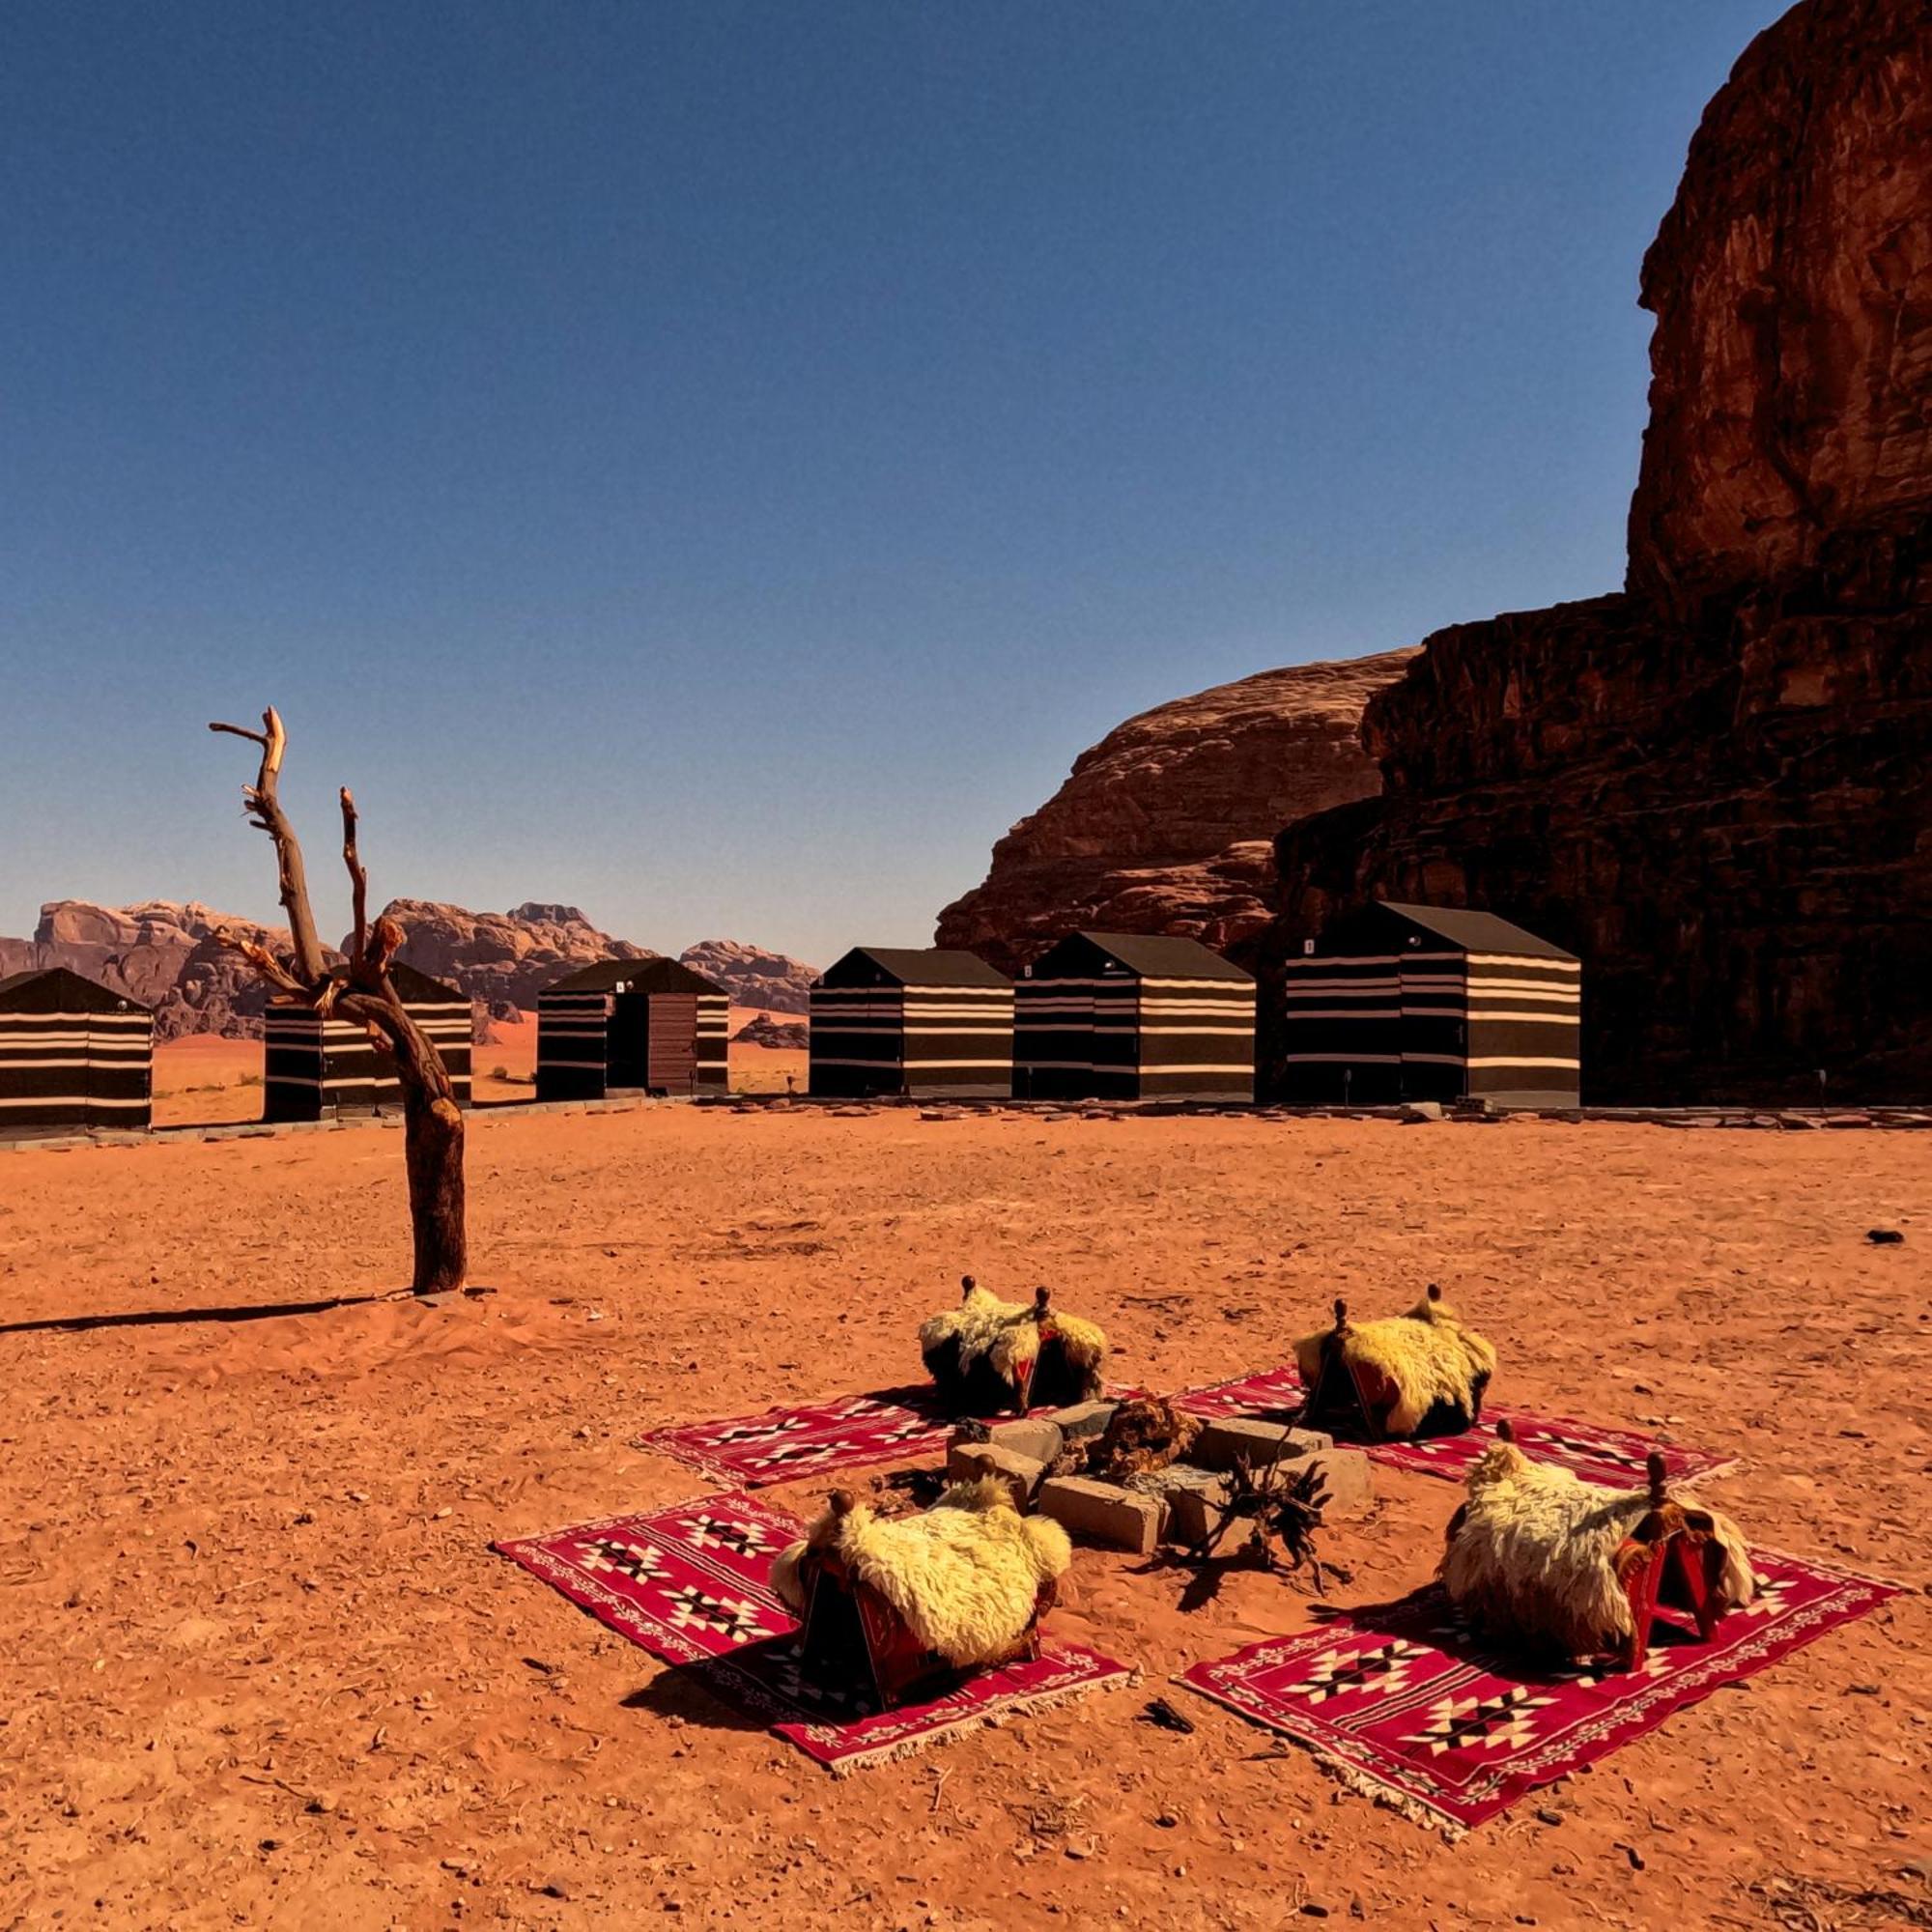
[1613, 1457]
[688, 1583]
[1401, 1703]
[781, 1445]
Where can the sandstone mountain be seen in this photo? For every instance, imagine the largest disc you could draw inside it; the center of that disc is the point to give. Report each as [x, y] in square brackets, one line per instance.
[1716, 786]
[1164, 825]
[503, 959]
[159, 952]
[752, 976]
[164, 956]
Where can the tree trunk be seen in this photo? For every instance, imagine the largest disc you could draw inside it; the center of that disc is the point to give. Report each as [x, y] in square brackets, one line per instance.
[433, 1148]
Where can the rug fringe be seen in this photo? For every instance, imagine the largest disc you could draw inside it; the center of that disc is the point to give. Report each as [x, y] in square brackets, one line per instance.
[1364, 1785]
[975, 1721]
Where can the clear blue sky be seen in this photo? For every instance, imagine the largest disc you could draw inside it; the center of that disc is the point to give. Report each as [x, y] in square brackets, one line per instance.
[717, 464]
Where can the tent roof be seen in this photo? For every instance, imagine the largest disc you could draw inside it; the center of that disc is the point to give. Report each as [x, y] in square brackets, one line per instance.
[1154, 956]
[55, 990]
[1476, 931]
[924, 966]
[636, 975]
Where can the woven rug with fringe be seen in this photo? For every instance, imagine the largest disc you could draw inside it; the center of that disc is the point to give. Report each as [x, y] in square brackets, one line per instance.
[1404, 1705]
[782, 1445]
[1613, 1457]
[688, 1583]
[817, 1438]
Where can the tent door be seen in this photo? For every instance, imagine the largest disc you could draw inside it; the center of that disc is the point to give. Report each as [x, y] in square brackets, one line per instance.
[673, 1042]
[630, 1041]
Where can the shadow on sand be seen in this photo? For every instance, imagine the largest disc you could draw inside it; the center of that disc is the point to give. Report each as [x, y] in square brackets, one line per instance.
[254, 1311]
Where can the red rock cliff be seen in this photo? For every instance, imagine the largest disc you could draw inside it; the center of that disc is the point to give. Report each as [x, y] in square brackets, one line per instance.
[1792, 285]
[1163, 825]
[1716, 787]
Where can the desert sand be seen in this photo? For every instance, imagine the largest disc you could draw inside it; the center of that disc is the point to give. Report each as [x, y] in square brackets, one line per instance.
[263, 1669]
[201, 1080]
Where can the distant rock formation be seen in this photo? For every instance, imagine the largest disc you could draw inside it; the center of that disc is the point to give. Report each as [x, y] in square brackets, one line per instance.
[164, 956]
[752, 976]
[1717, 786]
[504, 961]
[765, 1031]
[1164, 825]
[159, 952]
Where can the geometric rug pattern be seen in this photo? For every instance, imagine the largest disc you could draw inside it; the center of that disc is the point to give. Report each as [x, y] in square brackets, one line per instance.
[1404, 1703]
[1613, 1456]
[689, 1584]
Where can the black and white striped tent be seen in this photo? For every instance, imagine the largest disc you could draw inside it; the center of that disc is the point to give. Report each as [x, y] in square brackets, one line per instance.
[314, 1068]
[1133, 1017]
[927, 1024]
[636, 1025]
[73, 1056]
[1432, 1003]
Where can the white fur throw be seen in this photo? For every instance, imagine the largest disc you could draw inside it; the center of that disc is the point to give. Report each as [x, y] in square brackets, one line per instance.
[1537, 1554]
[965, 1576]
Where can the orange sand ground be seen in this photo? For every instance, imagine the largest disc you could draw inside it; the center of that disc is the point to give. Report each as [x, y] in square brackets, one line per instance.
[263, 1671]
[202, 1080]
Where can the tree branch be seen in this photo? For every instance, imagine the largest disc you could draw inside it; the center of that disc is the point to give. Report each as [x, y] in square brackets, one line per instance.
[262, 960]
[359, 881]
[265, 808]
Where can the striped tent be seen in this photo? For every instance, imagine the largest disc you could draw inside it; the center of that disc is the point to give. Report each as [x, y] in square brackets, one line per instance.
[1133, 1017]
[646, 1026]
[924, 1024]
[73, 1056]
[314, 1068]
[1432, 1003]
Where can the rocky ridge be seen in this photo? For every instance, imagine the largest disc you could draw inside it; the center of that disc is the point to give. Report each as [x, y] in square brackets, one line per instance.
[163, 953]
[753, 976]
[1164, 825]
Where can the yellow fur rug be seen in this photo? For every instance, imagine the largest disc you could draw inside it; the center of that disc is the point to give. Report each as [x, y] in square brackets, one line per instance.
[965, 1576]
[1534, 1552]
[985, 1353]
[1429, 1367]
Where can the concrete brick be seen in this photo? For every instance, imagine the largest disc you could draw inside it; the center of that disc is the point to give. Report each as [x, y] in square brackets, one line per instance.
[1100, 1513]
[1038, 1436]
[969, 1462]
[1084, 1420]
[1193, 1499]
[1241, 1438]
[1351, 1484]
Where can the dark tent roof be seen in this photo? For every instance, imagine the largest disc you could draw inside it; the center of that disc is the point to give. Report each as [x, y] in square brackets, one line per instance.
[921, 966]
[1152, 956]
[56, 990]
[636, 975]
[1477, 931]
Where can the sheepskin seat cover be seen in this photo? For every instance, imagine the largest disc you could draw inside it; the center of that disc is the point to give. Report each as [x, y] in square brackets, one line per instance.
[1434, 1369]
[987, 1354]
[1535, 1554]
[965, 1576]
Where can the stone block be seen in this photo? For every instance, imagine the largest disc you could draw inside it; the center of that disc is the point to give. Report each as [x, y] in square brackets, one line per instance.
[969, 1462]
[1084, 1420]
[1351, 1484]
[1101, 1512]
[1193, 1499]
[1241, 1438]
[1036, 1436]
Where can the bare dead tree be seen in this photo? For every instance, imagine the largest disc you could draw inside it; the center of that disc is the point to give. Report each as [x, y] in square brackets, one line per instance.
[360, 991]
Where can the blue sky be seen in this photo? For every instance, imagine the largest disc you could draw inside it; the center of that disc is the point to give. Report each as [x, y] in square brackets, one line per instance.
[717, 464]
